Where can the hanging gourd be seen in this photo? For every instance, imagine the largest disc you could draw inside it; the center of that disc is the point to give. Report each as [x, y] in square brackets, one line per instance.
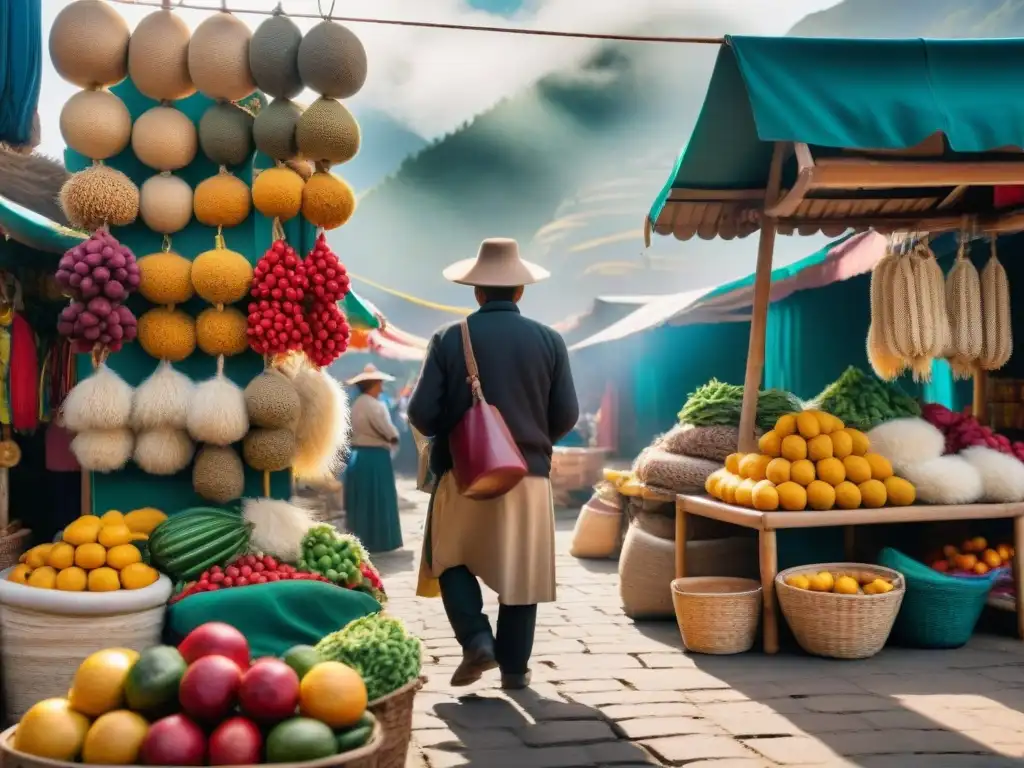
[167, 333]
[997, 328]
[164, 139]
[165, 203]
[218, 58]
[95, 124]
[328, 202]
[277, 193]
[274, 57]
[327, 133]
[966, 323]
[222, 201]
[218, 474]
[274, 129]
[99, 196]
[159, 415]
[89, 44]
[98, 411]
[225, 134]
[332, 61]
[217, 414]
[158, 57]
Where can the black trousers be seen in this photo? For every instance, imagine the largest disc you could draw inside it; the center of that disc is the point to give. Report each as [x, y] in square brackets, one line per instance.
[464, 604]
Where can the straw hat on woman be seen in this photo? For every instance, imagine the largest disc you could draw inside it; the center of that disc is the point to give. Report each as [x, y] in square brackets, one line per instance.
[371, 499]
[508, 541]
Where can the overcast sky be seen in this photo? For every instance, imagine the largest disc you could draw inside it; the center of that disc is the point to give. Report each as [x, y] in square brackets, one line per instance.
[432, 81]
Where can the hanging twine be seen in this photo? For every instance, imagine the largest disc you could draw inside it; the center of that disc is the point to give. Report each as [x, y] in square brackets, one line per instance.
[165, 244]
[277, 229]
[219, 239]
[266, 484]
[220, 365]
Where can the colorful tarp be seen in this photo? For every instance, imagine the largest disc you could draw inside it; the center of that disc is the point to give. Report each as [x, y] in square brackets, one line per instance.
[855, 94]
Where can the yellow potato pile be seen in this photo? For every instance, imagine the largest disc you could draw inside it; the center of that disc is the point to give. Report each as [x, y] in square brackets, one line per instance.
[810, 461]
[95, 554]
[841, 583]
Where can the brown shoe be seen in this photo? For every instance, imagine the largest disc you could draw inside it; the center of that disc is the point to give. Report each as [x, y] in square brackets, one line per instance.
[476, 660]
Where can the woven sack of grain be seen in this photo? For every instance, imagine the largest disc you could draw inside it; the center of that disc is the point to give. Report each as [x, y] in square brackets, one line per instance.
[656, 524]
[714, 443]
[598, 530]
[646, 570]
[680, 474]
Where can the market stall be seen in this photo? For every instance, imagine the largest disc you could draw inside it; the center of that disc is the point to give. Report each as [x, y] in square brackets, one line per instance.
[205, 305]
[801, 136]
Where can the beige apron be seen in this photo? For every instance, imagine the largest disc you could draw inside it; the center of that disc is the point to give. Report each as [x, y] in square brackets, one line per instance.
[508, 542]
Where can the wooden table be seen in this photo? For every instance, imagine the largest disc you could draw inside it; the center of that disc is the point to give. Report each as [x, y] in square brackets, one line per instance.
[767, 523]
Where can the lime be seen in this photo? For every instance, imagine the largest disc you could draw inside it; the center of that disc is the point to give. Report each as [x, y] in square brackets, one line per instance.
[302, 658]
[319, 550]
[300, 739]
[325, 562]
[332, 574]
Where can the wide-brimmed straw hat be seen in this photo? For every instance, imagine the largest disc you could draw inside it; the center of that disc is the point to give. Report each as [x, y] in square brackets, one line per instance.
[370, 373]
[497, 265]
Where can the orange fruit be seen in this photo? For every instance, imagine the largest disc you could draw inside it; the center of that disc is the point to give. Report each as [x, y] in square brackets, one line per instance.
[333, 693]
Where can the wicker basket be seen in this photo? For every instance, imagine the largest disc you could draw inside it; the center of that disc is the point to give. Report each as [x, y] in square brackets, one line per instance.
[12, 543]
[46, 634]
[364, 757]
[717, 614]
[394, 713]
[939, 611]
[840, 626]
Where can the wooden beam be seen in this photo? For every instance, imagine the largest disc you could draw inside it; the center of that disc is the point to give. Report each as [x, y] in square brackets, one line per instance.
[715, 195]
[759, 311]
[850, 173]
[789, 202]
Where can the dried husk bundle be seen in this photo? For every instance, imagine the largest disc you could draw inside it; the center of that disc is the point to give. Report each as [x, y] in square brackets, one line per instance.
[163, 451]
[217, 412]
[966, 325]
[162, 400]
[997, 328]
[103, 450]
[885, 362]
[322, 429]
[101, 401]
[278, 526]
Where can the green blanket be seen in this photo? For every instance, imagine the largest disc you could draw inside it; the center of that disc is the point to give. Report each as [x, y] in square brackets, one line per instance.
[273, 617]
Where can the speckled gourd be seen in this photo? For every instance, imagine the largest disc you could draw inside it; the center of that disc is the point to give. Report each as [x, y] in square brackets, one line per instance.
[95, 124]
[221, 331]
[218, 58]
[274, 57]
[327, 133]
[89, 44]
[222, 201]
[274, 129]
[332, 61]
[269, 450]
[158, 57]
[218, 474]
[167, 334]
[225, 134]
[99, 195]
[272, 401]
[165, 278]
[997, 336]
[966, 324]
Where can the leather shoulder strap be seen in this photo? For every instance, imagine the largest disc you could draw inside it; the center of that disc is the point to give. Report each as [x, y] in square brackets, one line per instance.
[474, 374]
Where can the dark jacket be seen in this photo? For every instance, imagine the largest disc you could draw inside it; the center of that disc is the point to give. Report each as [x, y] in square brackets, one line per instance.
[524, 372]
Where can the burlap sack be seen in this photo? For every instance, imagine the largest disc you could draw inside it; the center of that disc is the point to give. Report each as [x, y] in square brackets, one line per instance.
[598, 530]
[679, 474]
[713, 443]
[656, 524]
[646, 570]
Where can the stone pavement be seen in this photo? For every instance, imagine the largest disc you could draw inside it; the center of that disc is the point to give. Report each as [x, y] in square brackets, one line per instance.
[611, 692]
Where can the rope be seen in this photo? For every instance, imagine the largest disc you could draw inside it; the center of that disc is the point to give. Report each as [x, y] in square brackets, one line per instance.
[460, 311]
[440, 25]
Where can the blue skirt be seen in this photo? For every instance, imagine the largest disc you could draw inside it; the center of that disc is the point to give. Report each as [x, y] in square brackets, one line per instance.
[371, 499]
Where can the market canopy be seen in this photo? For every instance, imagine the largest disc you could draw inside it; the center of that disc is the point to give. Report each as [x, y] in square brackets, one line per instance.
[841, 259]
[889, 134]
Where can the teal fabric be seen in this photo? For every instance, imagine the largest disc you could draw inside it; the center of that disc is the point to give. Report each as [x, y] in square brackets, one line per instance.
[273, 617]
[35, 231]
[371, 499]
[21, 67]
[855, 94]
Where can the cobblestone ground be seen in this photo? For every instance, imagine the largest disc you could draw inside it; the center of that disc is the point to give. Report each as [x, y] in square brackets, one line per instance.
[611, 692]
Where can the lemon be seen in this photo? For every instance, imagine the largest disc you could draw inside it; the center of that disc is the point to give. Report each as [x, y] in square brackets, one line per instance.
[847, 495]
[881, 468]
[831, 471]
[114, 535]
[71, 579]
[90, 556]
[799, 581]
[138, 575]
[820, 495]
[115, 739]
[104, 580]
[861, 444]
[83, 531]
[846, 585]
[822, 582]
[711, 484]
[744, 492]
[778, 471]
[872, 494]
[51, 729]
[857, 469]
[786, 425]
[333, 693]
[732, 462]
[98, 685]
[112, 517]
[61, 556]
[842, 444]
[123, 555]
[807, 425]
[19, 574]
[770, 444]
[792, 497]
[794, 447]
[36, 557]
[44, 578]
[802, 472]
[819, 448]
[765, 496]
[899, 492]
[754, 466]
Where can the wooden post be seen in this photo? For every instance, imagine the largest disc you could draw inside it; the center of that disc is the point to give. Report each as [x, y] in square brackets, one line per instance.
[759, 312]
[979, 405]
[680, 538]
[86, 492]
[769, 561]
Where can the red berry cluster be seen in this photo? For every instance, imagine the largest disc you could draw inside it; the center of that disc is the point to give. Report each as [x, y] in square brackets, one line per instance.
[246, 570]
[277, 324]
[295, 303]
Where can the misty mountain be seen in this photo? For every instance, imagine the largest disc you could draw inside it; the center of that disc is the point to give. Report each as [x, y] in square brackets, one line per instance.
[570, 166]
[385, 145]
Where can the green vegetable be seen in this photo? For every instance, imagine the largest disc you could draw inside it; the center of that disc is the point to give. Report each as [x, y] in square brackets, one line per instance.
[863, 401]
[380, 649]
[357, 735]
[334, 555]
[719, 404]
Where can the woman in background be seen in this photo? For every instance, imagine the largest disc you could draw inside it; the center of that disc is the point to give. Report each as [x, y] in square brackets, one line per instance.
[371, 499]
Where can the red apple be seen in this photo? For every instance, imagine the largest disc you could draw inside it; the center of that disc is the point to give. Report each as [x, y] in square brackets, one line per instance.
[215, 638]
[236, 741]
[209, 688]
[174, 740]
[269, 691]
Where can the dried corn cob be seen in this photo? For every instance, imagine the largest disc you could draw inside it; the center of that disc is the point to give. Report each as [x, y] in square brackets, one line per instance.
[906, 323]
[930, 305]
[885, 363]
[997, 335]
[963, 301]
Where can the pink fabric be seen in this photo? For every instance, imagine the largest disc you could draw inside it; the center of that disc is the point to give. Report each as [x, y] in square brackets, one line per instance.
[59, 457]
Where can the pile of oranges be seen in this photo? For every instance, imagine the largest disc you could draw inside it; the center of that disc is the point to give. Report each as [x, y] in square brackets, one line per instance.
[973, 557]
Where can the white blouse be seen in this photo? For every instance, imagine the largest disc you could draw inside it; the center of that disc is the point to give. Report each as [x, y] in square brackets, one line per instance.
[371, 424]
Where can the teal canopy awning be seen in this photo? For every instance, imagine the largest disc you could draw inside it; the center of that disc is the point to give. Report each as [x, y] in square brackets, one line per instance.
[38, 232]
[872, 96]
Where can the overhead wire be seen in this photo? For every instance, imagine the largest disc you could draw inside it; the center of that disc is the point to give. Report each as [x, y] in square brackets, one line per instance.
[527, 31]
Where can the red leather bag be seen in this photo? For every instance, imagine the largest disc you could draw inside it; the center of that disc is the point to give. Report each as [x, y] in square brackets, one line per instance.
[486, 461]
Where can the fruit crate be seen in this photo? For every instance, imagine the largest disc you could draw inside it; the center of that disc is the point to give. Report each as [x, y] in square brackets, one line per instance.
[363, 757]
[840, 626]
